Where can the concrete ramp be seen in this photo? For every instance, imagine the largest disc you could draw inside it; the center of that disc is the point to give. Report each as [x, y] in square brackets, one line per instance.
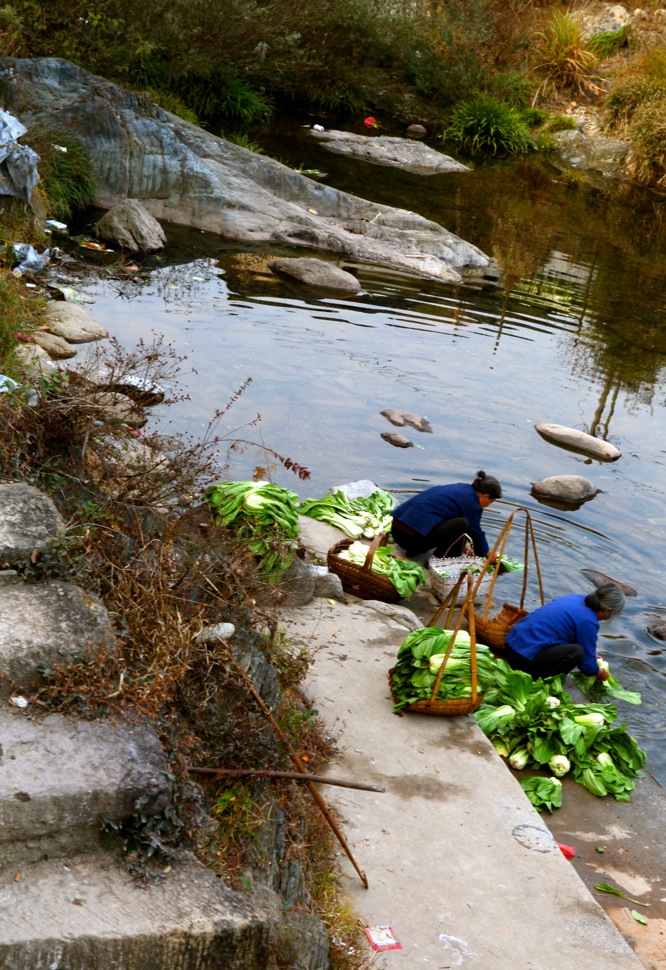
[458, 861]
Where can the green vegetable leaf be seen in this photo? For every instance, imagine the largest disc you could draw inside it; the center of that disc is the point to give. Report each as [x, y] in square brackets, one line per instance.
[603, 887]
[639, 917]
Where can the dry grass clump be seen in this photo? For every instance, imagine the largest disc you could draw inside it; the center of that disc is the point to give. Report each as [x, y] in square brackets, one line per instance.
[563, 59]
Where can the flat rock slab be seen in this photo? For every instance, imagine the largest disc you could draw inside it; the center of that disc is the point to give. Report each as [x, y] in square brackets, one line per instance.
[400, 153]
[29, 522]
[316, 273]
[47, 624]
[58, 774]
[458, 861]
[579, 441]
[73, 323]
[89, 913]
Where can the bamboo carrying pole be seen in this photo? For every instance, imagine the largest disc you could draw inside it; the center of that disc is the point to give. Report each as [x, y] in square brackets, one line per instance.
[296, 761]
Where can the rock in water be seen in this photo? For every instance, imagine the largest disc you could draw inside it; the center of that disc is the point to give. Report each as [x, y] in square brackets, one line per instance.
[315, 272]
[600, 579]
[572, 489]
[397, 439]
[576, 440]
[130, 226]
[401, 418]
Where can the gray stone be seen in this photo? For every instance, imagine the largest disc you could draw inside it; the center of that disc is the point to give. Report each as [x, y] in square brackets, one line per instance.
[89, 912]
[397, 440]
[258, 667]
[9, 577]
[401, 418]
[29, 522]
[386, 150]
[35, 361]
[189, 176]
[576, 440]
[115, 408]
[299, 938]
[130, 226]
[592, 153]
[47, 624]
[297, 585]
[56, 347]
[329, 586]
[73, 323]
[316, 273]
[416, 131]
[658, 631]
[58, 774]
[572, 489]
[218, 632]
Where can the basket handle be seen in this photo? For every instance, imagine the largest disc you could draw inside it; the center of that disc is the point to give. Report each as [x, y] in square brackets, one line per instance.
[466, 608]
[380, 540]
[463, 535]
[500, 543]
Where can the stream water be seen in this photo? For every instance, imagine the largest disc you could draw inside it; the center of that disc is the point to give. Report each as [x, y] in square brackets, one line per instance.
[573, 335]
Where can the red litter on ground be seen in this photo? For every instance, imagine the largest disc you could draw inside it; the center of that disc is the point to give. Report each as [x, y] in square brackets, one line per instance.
[382, 938]
[567, 851]
[370, 122]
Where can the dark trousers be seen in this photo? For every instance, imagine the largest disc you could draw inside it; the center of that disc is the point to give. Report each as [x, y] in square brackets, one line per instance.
[558, 659]
[447, 538]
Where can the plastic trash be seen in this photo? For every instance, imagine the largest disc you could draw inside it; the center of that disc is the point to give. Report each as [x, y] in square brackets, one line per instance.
[18, 163]
[7, 384]
[28, 258]
[567, 851]
[54, 224]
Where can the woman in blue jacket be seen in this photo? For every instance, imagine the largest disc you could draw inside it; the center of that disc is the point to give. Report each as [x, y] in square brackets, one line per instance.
[440, 517]
[563, 634]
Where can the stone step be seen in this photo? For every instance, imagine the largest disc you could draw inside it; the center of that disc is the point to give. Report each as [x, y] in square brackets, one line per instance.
[41, 625]
[58, 774]
[88, 914]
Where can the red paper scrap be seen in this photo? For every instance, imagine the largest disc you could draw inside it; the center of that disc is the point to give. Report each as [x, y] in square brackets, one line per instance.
[382, 938]
[567, 851]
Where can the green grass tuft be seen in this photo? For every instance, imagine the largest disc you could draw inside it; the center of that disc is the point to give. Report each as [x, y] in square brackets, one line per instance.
[484, 125]
[67, 180]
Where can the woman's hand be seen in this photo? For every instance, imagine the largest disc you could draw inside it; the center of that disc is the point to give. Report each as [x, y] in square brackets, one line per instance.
[603, 674]
[492, 557]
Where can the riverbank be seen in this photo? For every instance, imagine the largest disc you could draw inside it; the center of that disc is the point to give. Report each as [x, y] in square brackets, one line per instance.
[458, 862]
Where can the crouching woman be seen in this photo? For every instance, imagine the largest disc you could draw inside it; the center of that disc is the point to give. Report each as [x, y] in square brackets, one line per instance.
[563, 634]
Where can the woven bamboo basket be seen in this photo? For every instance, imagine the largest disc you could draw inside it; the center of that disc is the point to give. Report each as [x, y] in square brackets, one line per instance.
[456, 706]
[358, 580]
[492, 630]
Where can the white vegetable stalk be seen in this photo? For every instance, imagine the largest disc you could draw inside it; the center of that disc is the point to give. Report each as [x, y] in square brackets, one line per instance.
[553, 702]
[519, 759]
[559, 764]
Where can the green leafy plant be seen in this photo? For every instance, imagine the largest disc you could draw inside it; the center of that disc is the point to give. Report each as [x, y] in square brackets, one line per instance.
[239, 138]
[484, 125]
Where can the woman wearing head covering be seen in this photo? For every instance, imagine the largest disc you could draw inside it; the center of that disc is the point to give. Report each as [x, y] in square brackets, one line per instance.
[563, 634]
[440, 517]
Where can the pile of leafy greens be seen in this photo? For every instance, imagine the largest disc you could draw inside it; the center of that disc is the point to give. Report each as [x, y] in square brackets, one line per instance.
[358, 518]
[536, 724]
[404, 574]
[264, 518]
[420, 657]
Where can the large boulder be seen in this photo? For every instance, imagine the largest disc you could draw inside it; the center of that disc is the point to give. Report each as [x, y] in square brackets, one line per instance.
[186, 175]
[130, 226]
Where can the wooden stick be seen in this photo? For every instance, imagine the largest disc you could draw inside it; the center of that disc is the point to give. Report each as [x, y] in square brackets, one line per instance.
[290, 775]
